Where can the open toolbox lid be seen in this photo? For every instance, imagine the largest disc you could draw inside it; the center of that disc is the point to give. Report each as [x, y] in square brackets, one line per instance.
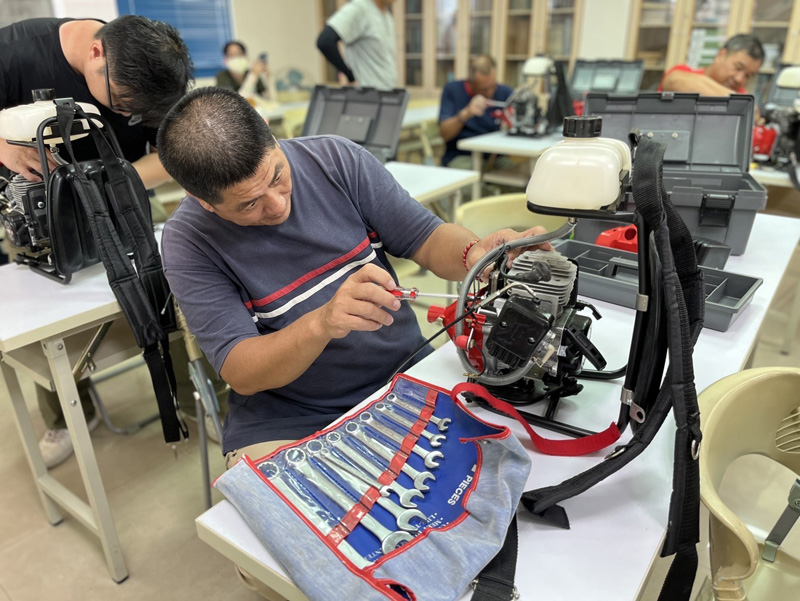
[369, 117]
[606, 77]
[701, 133]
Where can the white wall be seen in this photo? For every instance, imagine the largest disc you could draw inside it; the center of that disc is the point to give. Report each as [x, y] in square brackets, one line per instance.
[96, 9]
[605, 29]
[287, 31]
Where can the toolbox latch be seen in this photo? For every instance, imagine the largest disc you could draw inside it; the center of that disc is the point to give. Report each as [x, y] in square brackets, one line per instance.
[716, 209]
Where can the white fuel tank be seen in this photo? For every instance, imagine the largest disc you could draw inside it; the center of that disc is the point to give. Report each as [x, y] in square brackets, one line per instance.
[583, 171]
[19, 123]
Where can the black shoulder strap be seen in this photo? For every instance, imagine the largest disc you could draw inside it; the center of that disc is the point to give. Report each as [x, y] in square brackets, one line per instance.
[141, 295]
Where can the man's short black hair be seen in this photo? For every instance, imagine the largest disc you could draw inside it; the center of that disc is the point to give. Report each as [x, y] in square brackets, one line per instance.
[234, 43]
[213, 139]
[148, 62]
[749, 43]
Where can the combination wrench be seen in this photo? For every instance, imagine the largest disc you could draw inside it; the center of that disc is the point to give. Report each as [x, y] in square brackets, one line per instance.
[389, 539]
[441, 423]
[402, 516]
[314, 513]
[371, 472]
[357, 432]
[385, 410]
[429, 457]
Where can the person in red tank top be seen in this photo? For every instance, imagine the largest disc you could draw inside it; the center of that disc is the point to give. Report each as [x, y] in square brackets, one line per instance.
[736, 62]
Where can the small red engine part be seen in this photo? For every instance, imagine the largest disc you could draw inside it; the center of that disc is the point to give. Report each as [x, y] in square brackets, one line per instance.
[471, 341]
[623, 238]
[764, 138]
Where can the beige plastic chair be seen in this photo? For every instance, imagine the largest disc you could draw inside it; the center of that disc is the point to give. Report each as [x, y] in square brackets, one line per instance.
[753, 412]
[292, 121]
[486, 215]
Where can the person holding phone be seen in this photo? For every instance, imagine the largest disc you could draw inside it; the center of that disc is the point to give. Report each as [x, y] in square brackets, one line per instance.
[240, 75]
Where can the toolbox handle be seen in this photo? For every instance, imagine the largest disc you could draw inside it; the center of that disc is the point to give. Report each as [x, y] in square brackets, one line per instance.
[622, 268]
[716, 209]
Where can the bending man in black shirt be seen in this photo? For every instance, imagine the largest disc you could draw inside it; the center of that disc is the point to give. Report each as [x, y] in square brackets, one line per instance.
[133, 70]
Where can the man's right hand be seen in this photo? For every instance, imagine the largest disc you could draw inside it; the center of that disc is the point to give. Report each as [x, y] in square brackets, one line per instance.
[361, 303]
[24, 160]
[477, 106]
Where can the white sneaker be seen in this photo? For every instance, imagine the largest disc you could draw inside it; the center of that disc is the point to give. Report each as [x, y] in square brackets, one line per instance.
[56, 445]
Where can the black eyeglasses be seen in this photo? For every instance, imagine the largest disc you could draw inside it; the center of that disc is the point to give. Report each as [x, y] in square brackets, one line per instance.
[118, 109]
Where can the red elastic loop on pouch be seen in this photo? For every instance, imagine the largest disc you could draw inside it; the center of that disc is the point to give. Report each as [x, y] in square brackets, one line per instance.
[400, 458]
[564, 448]
[354, 516]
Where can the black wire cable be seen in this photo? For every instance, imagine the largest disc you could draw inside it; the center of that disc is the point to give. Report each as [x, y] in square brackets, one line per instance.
[589, 374]
[444, 329]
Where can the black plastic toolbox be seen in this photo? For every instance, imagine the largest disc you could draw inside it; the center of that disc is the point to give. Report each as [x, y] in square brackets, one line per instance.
[606, 77]
[706, 163]
[611, 275]
[369, 117]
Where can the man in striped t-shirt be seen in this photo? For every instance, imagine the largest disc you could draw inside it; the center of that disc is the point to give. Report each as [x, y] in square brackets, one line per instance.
[278, 258]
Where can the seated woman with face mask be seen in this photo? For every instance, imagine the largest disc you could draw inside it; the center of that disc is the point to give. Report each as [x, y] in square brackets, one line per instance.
[239, 75]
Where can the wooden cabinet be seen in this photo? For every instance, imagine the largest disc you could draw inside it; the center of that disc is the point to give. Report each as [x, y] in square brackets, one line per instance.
[437, 38]
[665, 33]
[777, 25]
[657, 28]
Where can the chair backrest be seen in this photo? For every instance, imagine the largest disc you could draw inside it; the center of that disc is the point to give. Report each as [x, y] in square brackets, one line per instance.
[753, 412]
[292, 121]
[486, 215]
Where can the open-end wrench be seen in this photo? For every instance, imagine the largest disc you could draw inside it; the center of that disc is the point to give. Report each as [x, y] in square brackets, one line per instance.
[385, 410]
[402, 515]
[319, 516]
[390, 540]
[357, 432]
[373, 472]
[441, 423]
[429, 457]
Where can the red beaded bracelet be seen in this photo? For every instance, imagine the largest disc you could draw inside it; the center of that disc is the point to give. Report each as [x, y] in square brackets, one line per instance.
[466, 252]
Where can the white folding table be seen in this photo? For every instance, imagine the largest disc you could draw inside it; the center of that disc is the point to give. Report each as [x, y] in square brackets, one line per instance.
[617, 526]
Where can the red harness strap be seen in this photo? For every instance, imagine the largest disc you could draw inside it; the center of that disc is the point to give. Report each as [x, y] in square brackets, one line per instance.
[571, 447]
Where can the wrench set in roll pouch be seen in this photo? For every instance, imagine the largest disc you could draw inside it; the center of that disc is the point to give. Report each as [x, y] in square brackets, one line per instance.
[384, 490]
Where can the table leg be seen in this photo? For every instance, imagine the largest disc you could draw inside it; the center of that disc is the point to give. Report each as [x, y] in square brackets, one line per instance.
[455, 202]
[10, 383]
[794, 319]
[99, 521]
[427, 149]
[477, 165]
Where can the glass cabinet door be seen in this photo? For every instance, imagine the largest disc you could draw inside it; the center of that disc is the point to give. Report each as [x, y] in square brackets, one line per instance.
[709, 31]
[480, 27]
[518, 37]
[413, 55]
[771, 26]
[653, 39]
[560, 28]
[446, 38]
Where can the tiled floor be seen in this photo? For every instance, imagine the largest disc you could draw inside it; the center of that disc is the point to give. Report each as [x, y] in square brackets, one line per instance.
[155, 495]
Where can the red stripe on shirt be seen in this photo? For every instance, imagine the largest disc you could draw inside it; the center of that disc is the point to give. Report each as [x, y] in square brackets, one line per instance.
[310, 275]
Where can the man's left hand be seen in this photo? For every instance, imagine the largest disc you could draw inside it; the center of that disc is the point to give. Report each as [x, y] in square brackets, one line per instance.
[502, 237]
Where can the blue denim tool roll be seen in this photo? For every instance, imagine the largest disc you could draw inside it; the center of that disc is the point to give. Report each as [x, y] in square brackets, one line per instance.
[408, 499]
